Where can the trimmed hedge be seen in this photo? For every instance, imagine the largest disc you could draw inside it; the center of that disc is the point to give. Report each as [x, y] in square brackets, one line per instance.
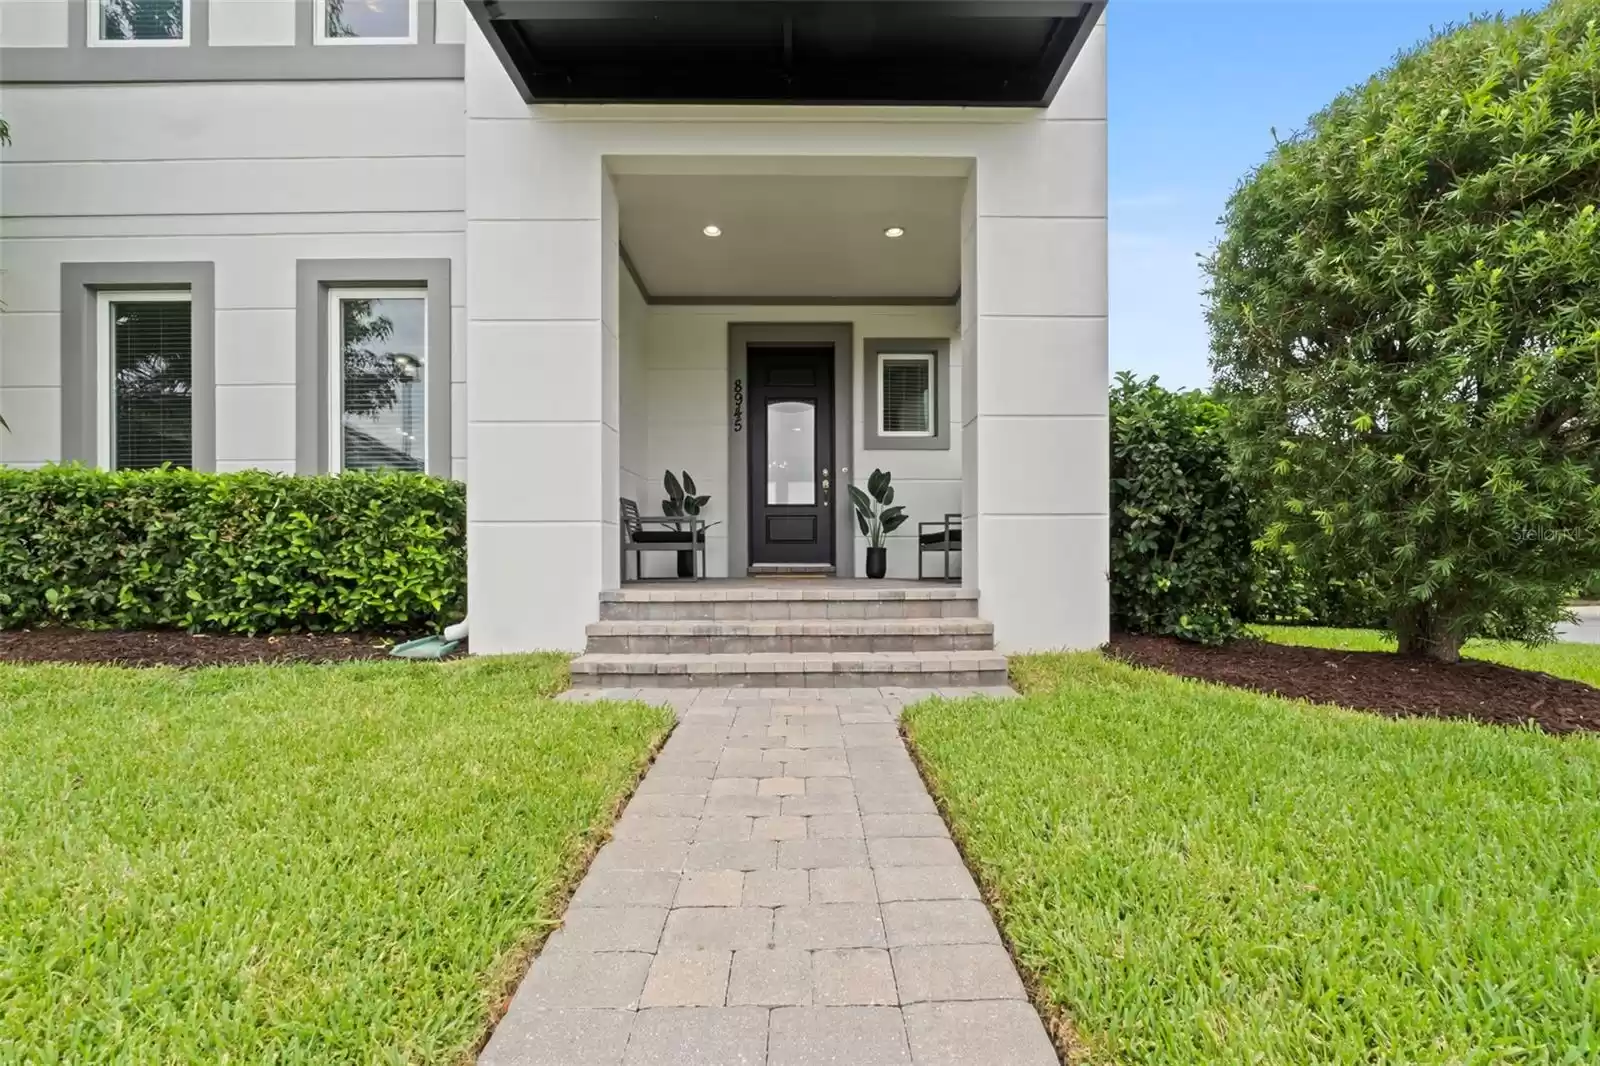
[249, 552]
[1180, 523]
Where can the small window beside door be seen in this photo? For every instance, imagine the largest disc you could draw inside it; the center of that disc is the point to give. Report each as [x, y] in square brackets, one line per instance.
[378, 379]
[907, 382]
[145, 372]
[366, 21]
[135, 23]
[905, 395]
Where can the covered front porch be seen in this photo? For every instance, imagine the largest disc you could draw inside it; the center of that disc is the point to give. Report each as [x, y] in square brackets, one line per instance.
[782, 336]
[778, 306]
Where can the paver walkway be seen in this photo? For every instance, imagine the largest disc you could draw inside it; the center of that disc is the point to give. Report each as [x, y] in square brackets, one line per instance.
[780, 890]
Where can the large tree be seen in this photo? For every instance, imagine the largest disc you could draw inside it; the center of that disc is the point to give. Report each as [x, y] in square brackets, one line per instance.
[1405, 318]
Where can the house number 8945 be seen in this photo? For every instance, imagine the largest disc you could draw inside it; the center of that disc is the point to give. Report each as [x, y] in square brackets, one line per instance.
[738, 405]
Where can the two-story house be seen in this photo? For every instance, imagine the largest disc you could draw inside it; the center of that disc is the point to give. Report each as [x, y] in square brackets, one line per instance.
[556, 247]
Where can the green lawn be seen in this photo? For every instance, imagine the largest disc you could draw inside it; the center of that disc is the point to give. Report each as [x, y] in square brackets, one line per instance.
[309, 864]
[1577, 662]
[1200, 875]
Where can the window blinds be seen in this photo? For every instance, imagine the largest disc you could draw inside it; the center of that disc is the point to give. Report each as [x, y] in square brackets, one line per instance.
[907, 395]
[141, 20]
[152, 384]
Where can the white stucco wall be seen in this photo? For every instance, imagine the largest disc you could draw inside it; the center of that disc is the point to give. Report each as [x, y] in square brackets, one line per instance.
[685, 364]
[33, 23]
[541, 244]
[249, 176]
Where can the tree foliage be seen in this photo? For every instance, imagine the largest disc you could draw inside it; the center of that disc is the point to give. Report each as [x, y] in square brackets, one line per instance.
[1406, 320]
[1180, 522]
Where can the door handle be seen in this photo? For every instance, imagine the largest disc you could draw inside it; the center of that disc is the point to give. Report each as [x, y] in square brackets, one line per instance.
[825, 484]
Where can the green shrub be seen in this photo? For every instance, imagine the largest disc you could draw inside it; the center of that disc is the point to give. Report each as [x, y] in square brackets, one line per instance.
[1180, 523]
[250, 552]
[1405, 318]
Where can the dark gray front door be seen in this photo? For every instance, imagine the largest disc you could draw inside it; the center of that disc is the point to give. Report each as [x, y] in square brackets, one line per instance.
[791, 455]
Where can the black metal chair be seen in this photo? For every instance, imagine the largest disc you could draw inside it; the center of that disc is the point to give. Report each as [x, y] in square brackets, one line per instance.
[942, 537]
[637, 539]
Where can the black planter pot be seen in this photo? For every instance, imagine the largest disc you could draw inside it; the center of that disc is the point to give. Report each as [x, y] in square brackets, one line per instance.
[877, 562]
[686, 564]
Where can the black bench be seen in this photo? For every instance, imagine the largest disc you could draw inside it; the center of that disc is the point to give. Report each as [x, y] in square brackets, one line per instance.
[636, 538]
[939, 537]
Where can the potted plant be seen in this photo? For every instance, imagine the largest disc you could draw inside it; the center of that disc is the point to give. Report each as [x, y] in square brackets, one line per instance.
[683, 502]
[877, 519]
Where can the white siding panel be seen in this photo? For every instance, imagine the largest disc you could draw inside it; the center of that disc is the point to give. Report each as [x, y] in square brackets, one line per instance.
[255, 347]
[266, 225]
[242, 120]
[33, 24]
[1044, 366]
[255, 423]
[1042, 266]
[251, 271]
[450, 22]
[196, 187]
[271, 466]
[30, 349]
[536, 472]
[252, 22]
[548, 371]
[34, 415]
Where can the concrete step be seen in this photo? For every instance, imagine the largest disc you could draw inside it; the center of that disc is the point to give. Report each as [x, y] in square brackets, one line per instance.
[735, 637]
[695, 601]
[929, 669]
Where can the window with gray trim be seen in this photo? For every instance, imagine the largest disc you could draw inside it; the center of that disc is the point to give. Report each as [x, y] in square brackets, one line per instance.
[138, 373]
[907, 386]
[372, 379]
[366, 21]
[144, 372]
[114, 23]
[377, 385]
[87, 60]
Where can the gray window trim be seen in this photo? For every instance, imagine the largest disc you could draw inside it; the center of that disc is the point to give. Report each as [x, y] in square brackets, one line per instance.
[81, 284]
[741, 335]
[875, 348]
[200, 61]
[313, 279]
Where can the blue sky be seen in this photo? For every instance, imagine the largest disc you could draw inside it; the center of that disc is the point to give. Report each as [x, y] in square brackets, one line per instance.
[1196, 87]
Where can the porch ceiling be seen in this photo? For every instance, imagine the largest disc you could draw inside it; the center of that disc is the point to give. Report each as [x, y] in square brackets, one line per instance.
[880, 52]
[792, 237]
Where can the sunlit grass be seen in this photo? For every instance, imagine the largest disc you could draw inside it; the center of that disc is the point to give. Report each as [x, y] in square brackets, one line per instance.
[1576, 662]
[310, 864]
[1195, 874]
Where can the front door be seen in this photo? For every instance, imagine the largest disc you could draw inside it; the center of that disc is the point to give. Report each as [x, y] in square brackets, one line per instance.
[791, 455]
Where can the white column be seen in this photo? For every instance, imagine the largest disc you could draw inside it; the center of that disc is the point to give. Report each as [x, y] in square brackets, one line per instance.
[541, 373]
[1038, 429]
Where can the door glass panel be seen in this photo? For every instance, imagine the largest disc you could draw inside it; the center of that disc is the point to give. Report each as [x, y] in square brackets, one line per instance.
[792, 452]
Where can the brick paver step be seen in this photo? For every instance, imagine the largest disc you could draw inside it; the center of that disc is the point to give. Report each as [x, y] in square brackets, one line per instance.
[741, 636]
[924, 669]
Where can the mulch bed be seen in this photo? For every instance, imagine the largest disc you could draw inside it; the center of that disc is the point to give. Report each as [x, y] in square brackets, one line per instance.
[177, 648]
[1379, 682]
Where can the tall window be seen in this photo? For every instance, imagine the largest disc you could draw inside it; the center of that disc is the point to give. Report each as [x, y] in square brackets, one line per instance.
[145, 369]
[366, 21]
[378, 387]
[905, 395]
[138, 22]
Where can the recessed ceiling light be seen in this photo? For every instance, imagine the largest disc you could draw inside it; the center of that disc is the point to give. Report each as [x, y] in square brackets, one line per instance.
[894, 231]
[712, 231]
